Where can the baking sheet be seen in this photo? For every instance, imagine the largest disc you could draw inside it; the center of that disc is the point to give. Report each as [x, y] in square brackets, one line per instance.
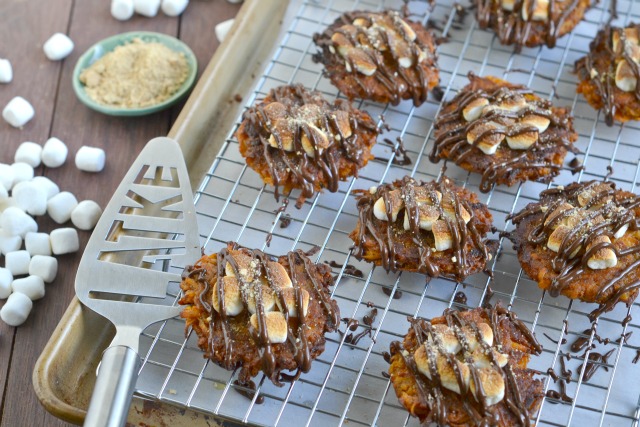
[345, 384]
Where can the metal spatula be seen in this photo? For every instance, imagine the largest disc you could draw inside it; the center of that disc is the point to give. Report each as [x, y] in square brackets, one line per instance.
[150, 220]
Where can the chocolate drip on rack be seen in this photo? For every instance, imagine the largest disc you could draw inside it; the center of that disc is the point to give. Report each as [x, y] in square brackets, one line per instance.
[572, 256]
[513, 29]
[430, 390]
[383, 231]
[604, 79]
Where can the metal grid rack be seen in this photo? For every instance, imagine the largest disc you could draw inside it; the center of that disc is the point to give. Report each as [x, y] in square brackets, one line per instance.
[345, 384]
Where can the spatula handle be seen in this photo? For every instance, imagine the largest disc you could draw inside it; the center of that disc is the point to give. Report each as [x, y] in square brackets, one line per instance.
[112, 393]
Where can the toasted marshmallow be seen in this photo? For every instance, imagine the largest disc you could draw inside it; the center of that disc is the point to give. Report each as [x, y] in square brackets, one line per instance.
[557, 237]
[449, 210]
[508, 4]
[342, 121]
[625, 77]
[486, 136]
[445, 338]
[268, 298]
[246, 266]
[232, 297]
[409, 34]
[341, 43]
[396, 202]
[557, 212]
[473, 110]
[446, 372]
[630, 36]
[360, 60]
[483, 360]
[279, 275]
[603, 258]
[442, 236]
[541, 122]
[427, 216]
[540, 10]
[289, 295]
[512, 103]
[486, 334]
[276, 325]
[522, 140]
[621, 231]
[492, 384]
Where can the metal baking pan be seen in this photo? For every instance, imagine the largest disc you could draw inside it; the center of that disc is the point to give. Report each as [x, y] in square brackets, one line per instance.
[345, 385]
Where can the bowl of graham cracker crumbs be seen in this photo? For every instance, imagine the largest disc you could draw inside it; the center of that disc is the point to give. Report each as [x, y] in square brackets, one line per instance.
[134, 74]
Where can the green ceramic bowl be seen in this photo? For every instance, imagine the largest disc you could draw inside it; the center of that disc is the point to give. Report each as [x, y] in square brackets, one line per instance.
[104, 46]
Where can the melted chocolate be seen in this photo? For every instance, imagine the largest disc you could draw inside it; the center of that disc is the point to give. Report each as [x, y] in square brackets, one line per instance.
[595, 362]
[367, 320]
[465, 237]
[604, 79]
[637, 357]
[400, 156]
[564, 340]
[396, 295]
[460, 298]
[248, 390]
[601, 218]
[348, 269]
[285, 221]
[561, 395]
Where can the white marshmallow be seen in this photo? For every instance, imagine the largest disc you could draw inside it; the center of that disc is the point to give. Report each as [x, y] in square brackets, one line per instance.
[5, 283]
[148, 8]
[223, 28]
[7, 203]
[6, 72]
[29, 153]
[17, 262]
[15, 222]
[86, 215]
[37, 244]
[58, 47]
[174, 7]
[60, 206]
[64, 241]
[4, 193]
[122, 10]
[16, 310]
[90, 159]
[32, 286]
[7, 174]
[54, 153]
[45, 267]
[9, 243]
[21, 172]
[30, 197]
[49, 187]
[18, 112]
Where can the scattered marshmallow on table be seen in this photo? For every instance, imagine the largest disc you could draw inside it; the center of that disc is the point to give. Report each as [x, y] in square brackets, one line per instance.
[30, 197]
[7, 175]
[58, 47]
[64, 241]
[21, 172]
[17, 262]
[45, 267]
[29, 153]
[49, 187]
[6, 72]
[18, 112]
[90, 159]
[85, 216]
[9, 243]
[5, 283]
[60, 206]
[174, 7]
[122, 9]
[15, 222]
[16, 310]
[31, 286]
[223, 28]
[148, 8]
[54, 153]
[37, 244]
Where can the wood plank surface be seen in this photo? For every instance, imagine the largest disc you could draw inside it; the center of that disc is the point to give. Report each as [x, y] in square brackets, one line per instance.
[24, 26]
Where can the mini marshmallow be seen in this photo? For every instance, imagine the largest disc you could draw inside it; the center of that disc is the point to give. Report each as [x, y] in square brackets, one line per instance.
[54, 153]
[60, 206]
[29, 153]
[7, 203]
[45, 267]
[49, 187]
[5, 283]
[86, 215]
[21, 172]
[64, 241]
[17, 262]
[58, 47]
[30, 197]
[223, 28]
[122, 10]
[7, 175]
[15, 222]
[37, 244]
[174, 7]
[16, 310]
[148, 8]
[9, 243]
[32, 286]
[90, 159]
[6, 72]
[18, 112]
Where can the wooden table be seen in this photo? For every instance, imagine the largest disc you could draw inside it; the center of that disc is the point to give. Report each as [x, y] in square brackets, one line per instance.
[24, 27]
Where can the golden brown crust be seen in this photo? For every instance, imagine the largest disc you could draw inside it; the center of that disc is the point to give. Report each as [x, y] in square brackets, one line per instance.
[514, 342]
[507, 166]
[338, 156]
[390, 82]
[198, 285]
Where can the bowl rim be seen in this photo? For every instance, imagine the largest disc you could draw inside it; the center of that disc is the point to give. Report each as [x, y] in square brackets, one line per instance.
[122, 38]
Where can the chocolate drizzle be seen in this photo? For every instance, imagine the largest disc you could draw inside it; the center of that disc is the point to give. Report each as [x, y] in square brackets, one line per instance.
[430, 392]
[599, 67]
[607, 212]
[595, 362]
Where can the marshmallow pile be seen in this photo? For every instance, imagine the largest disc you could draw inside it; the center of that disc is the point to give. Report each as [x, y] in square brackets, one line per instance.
[29, 255]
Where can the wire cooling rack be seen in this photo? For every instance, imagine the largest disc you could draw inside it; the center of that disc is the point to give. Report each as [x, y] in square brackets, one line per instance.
[346, 385]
